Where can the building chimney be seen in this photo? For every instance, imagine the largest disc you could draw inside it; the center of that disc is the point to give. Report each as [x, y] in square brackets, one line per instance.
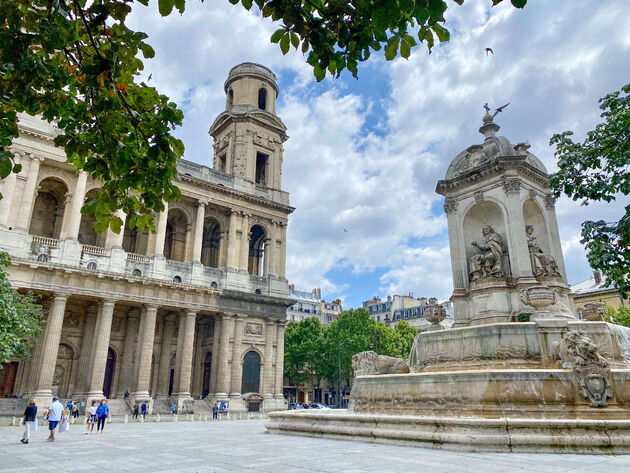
[598, 276]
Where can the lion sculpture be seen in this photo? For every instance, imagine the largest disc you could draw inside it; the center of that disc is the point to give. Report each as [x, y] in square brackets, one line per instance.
[369, 362]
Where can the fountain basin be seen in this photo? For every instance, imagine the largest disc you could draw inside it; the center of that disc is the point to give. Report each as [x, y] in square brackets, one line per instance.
[460, 433]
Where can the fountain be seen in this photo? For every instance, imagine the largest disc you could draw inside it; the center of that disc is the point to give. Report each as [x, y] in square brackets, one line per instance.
[494, 382]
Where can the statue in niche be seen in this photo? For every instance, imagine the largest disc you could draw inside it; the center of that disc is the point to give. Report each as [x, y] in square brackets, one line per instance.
[543, 264]
[488, 262]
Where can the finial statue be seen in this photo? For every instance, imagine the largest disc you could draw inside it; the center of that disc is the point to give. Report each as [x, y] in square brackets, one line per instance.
[496, 111]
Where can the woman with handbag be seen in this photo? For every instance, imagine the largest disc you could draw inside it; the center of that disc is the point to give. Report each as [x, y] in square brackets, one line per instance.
[30, 420]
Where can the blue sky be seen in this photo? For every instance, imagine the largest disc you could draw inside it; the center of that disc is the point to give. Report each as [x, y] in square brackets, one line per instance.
[365, 155]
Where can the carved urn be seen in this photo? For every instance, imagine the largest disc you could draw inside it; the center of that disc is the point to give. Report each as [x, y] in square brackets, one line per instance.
[539, 297]
[594, 311]
[435, 314]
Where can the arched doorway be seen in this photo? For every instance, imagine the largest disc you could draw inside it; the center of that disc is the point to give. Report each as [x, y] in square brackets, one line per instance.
[207, 365]
[48, 209]
[87, 235]
[175, 242]
[251, 373]
[109, 372]
[210, 243]
[256, 250]
[135, 241]
[8, 373]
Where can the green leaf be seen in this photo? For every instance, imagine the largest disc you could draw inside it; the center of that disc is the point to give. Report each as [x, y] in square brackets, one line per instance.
[284, 43]
[295, 40]
[247, 4]
[147, 51]
[441, 32]
[519, 3]
[277, 35]
[392, 48]
[166, 7]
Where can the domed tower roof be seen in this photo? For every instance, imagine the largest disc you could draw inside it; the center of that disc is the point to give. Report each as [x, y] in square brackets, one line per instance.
[251, 69]
[477, 157]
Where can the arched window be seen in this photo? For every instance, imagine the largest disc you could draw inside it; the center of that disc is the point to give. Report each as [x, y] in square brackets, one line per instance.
[230, 99]
[87, 235]
[91, 265]
[262, 98]
[175, 242]
[210, 243]
[48, 209]
[137, 272]
[251, 373]
[256, 250]
[135, 241]
[177, 279]
[261, 168]
[43, 258]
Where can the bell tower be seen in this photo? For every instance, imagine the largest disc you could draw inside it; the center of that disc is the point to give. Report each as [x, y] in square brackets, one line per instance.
[248, 135]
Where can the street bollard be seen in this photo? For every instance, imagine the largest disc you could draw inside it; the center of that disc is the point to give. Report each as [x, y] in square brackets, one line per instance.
[157, 417]
[13, 421]
[175, 418]
[126, 419]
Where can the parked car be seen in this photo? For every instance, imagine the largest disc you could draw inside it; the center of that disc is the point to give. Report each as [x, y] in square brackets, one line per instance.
[295, 405]
[317, 405]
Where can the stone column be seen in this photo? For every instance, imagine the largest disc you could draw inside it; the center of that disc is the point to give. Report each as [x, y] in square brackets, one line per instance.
[268, 375]
[268, 257]
[185, 355]
[28, 196]
[144, 352]
[86, 351]
[237, 367]
[279, 385]
[232, 255]
[126, 382]
[72, 214]
[198, 238]
[197, 371]
[113, 240]
[101, 345]
[282, 251]
[50, 347]
[518, 249]
[223, 374]
[7, 194]
[164, 370]
[215, 354]
[244, 263]
[155, 244]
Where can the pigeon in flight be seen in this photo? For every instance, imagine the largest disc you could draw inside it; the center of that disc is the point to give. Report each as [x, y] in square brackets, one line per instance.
[489, 51]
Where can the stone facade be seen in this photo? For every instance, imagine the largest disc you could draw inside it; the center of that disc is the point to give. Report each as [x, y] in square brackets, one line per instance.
[310, 304]
[398, 308]
[595, 290]
[198, 308]
[502, 231]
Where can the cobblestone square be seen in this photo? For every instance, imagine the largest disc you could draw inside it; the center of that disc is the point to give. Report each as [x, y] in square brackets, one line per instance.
[243, 446]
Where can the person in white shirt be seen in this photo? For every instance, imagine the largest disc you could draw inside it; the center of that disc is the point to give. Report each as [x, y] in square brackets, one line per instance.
[91, 418]
[54, 416]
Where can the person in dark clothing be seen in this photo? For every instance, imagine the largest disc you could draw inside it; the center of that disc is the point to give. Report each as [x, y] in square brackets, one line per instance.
[143, 409]
[30, 419]
[136, 408]
[215, 412]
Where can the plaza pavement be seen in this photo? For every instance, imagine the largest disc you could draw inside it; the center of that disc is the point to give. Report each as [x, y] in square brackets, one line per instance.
[243, 446]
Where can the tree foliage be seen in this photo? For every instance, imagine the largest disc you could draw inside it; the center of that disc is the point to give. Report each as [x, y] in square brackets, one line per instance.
[20, 317]
[76, 63]
[620, 316]
[598, 170]
[315, 351]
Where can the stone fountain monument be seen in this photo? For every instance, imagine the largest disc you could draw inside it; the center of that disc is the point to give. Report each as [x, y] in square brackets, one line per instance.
[518, 371]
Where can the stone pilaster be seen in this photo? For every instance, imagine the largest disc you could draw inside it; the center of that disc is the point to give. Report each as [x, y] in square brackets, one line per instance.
[232, 255]
[279, 384]
[198, 238]
[164, 369]
[244, 260]
[268, 374]
[101, 345]
[156, 240]
[126, 380]
[113, 240]
[82, 380]
[185, 355]
[50, 347]
[237, 369]
[282, 251]
[214, 368]
[72, 214]
[144, 352]
[8, 190]
[28, 195]
[223, 374]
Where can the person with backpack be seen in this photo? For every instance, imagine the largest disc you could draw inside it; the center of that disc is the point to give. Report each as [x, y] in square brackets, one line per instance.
[102, 412]
[30, 420]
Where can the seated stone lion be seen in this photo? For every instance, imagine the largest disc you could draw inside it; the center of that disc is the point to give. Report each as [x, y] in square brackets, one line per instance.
[369, 362]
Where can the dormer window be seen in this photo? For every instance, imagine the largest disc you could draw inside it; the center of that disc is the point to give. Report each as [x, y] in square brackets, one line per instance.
[262, 98]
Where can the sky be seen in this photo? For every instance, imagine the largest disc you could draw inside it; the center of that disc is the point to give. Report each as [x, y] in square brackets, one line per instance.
[364, 156]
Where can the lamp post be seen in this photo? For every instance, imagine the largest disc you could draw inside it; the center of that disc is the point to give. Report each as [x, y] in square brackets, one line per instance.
[342, 343]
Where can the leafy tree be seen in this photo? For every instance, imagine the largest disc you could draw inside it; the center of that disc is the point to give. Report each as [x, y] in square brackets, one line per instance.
[597, 170]
[20, 317]
[302, 350]
[76, 62]
[620, 316]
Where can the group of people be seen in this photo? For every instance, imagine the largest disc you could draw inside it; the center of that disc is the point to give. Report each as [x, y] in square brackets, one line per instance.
[137, 409]
[220, 407]
[58, 415]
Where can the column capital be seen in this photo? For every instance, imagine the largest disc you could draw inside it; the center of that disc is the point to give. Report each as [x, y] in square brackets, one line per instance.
[201, 203]
[188, 313]
[61, 296]
[155, 307]
[108, 302]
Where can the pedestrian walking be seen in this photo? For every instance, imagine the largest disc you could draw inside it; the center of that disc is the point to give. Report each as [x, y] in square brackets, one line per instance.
[144, 410]
[215, 412]
[226, 409]
[136, 408]
[173, 409]
[30, 420]
[75, 410]
[102, 412]
[126, 394]
[91, 418]
[53, 415]
[70, 405]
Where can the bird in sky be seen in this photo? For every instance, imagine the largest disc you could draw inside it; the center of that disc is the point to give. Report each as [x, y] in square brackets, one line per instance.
[150, 76]
[488, 51]
[500, 109]
[345, 230]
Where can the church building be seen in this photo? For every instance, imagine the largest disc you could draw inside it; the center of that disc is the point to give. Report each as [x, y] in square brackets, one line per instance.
[192, 314]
